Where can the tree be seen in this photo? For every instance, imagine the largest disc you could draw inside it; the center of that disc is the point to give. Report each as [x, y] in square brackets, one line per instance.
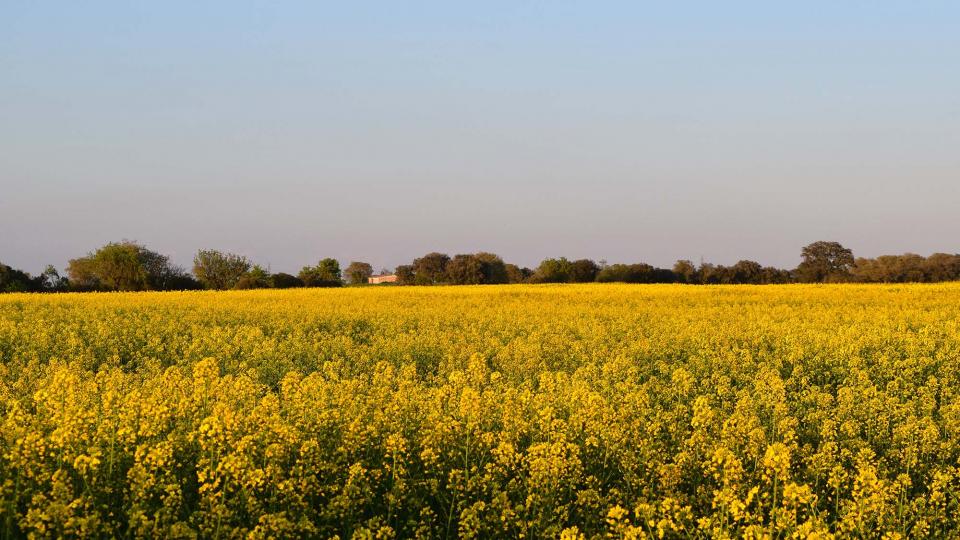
[124, 266]
[217, 270]
[492, 267]
[613, 273]
[182, 281]
[281, 280]
[882, 269]
[515, 274]
[464, 270]
[825, 262]
[771, 274]
[52, 281]
[583, 271]
[431, 268]
[161, 274]
[256, 278]
[635, 273]
[359, 272]
[906, 268]
[405, 275]
[640, 273]
[13, 280]
[115, 266]
[745, 272]
[709, 273]
[553, 271]
[325, 274]
[663, 275]
[685, 272]
[943, 267]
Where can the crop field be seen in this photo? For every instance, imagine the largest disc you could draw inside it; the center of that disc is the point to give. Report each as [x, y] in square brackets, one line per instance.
[574, 411]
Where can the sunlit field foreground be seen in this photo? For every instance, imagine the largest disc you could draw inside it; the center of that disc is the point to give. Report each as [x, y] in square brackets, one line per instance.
[537, 411]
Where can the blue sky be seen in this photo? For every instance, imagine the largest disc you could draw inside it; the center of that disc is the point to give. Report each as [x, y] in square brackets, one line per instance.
[625, 131]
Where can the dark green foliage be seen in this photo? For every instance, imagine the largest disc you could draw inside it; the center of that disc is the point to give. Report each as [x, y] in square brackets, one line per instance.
[907, 268]
[746, 272]
[825, 262]
[635, 273]
[686, 272]
[493, 268]
[553, 271]
[431, 268]
[128, 266]
[325, 274]
[52, 281]
[477, 269]
[359, 272]
[125, 266]
[13, 280]
[256, 278]
[281, 280]
[464, 270]
[583, 271]
[220, 271]
[405, 275]
[182, 282]
[515, 274]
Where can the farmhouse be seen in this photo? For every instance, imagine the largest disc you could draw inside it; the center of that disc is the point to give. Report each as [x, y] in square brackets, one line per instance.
[383, 278]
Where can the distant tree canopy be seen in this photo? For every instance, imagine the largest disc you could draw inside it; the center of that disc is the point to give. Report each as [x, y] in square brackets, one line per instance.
[359, 272]
[434, 268]
[583, 271]
[553, 271]
[116, 266]
[325, 274]
[285, 281]
[747, 272]
[492, 267]
[405, 275]
[255, 278]
[220, 271]
[430, 269]
[475, 269]
[942, 267]
[52, 281]
[127, 266]
[464, 270]
[13, 280]
[686, 272]
[515, 274]
[907, 268]
[825, 262]
[635, 273]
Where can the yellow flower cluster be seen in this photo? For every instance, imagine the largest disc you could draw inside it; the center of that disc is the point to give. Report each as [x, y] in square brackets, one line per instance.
[571, 411]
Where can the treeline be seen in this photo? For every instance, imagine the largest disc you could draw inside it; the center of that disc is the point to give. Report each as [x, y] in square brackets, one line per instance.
[129, 266]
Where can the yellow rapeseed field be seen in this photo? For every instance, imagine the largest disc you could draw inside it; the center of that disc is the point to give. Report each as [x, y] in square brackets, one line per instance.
[572, 411]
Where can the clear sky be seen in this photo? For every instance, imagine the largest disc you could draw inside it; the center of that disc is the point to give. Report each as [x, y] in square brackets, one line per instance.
[625, 131]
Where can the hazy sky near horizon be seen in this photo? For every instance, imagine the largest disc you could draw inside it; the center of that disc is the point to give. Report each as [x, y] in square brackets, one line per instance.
[625, 131]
